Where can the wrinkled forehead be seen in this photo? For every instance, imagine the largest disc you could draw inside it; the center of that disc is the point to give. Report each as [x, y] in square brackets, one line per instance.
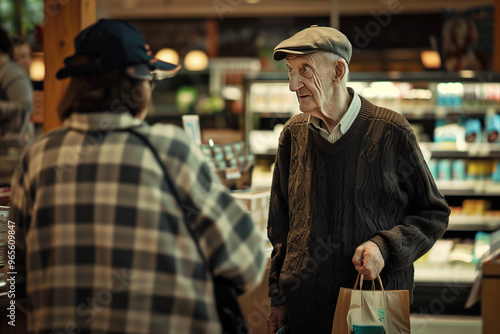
[315, 59]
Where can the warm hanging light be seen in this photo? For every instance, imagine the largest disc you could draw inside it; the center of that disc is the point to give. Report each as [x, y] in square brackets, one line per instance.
[196, 60]
[37, 70]
[169, 55]
[430, 59]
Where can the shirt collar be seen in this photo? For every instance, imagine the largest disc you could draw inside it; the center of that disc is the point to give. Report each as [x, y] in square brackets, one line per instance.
[346, 120]
[105, 121]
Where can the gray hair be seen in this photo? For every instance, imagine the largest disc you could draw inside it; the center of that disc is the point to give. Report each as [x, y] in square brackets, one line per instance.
[333, 57]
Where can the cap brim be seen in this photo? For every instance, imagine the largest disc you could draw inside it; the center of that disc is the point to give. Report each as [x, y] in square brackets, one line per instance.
[75, 70]
[163, 65]
[143, 71]
[280, 54]
[63, 73]
[139, 72]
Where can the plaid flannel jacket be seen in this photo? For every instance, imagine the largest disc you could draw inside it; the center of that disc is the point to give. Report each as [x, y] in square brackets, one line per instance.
[100, 242]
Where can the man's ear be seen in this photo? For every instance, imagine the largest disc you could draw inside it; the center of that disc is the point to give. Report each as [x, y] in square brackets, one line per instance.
[339, 71]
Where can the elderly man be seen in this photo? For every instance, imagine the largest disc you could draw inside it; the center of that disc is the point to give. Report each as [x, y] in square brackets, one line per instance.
[16, 106]
[351, 192]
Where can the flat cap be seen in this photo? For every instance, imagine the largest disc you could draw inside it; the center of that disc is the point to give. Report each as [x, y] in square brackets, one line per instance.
[313, 39]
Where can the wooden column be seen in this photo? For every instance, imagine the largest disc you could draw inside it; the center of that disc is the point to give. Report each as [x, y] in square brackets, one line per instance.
[64, 19]
[496, 37]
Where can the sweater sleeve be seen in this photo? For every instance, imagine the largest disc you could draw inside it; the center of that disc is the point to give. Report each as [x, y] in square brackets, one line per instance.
[231, 242]
[427, 212]
[278, 222]
[18, 96]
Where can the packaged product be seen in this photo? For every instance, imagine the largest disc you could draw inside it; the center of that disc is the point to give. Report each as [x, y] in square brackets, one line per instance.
[492, 127]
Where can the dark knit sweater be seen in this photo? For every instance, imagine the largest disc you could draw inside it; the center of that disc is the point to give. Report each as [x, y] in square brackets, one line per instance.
[327, 199]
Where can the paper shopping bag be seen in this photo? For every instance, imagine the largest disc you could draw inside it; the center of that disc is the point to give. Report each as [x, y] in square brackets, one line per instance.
[341, 310]
[387, 308]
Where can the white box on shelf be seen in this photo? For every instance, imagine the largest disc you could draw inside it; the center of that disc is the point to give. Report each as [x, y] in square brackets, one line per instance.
[257, 202]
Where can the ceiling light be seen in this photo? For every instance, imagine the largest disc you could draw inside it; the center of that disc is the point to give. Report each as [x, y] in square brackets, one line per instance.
[430, 59]
[37, 70]
[196, 60]
[169, 55]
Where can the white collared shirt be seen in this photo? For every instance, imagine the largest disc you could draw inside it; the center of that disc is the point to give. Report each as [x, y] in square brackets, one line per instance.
[345, 122]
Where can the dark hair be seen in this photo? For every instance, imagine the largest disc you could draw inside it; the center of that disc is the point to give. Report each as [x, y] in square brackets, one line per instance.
[109, 91]
[16, 41]
[5, 42]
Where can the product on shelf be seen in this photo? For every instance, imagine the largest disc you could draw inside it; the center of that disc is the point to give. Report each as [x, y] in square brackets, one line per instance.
[444, 169]
[433, 168]
[495, 174]
[449, 133]
[232, 163]
[479, 169]
[440, 252]
[475, 206]
[492, 127]
[473, 133]
[462, 252]
[459, 169]
[481, 245]
[449, 94]
[448, 251]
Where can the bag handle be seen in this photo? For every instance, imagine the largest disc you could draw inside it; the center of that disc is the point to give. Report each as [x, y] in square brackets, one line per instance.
[373, 282]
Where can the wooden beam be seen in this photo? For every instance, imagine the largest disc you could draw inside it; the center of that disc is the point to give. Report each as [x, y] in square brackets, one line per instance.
[64, 19]
[496, 37]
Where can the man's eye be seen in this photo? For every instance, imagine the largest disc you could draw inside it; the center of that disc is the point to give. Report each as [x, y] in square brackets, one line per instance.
[306, 69]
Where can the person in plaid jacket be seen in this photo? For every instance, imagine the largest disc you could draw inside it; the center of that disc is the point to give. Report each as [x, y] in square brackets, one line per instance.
[100, 242]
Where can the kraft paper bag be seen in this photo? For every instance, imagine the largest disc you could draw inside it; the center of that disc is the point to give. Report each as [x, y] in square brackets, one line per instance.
[387, 308]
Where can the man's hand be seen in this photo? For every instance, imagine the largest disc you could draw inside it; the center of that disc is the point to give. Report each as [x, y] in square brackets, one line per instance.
[368, 260]
[276, 319]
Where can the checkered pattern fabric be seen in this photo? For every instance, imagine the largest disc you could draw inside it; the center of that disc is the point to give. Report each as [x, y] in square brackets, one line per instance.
[101, 233]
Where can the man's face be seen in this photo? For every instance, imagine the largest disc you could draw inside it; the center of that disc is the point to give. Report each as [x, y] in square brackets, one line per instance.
[22, 55]
[311, 78]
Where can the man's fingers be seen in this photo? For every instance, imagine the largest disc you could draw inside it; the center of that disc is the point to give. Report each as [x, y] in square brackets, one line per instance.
[357, 259]
[368, 260]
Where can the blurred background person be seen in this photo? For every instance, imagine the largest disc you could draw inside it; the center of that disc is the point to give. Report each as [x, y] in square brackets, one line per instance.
[16, 106]
[21, 53]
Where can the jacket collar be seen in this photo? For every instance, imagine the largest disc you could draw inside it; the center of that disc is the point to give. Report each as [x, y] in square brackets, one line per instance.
[103, 121]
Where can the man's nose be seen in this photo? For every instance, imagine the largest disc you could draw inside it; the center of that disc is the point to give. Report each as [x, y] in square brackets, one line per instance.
[295, 83]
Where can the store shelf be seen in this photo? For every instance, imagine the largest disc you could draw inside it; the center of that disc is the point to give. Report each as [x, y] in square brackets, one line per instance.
[463, 150]
[264, 142]
[473, 223]
[438, 76]
[469, 188]
[445, 324]
[460, 76]
[415, 112]
[448, 273]
[273, 114]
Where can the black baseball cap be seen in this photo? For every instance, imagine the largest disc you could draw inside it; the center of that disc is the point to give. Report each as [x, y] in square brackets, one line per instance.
[117, 44]
[313, 39]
